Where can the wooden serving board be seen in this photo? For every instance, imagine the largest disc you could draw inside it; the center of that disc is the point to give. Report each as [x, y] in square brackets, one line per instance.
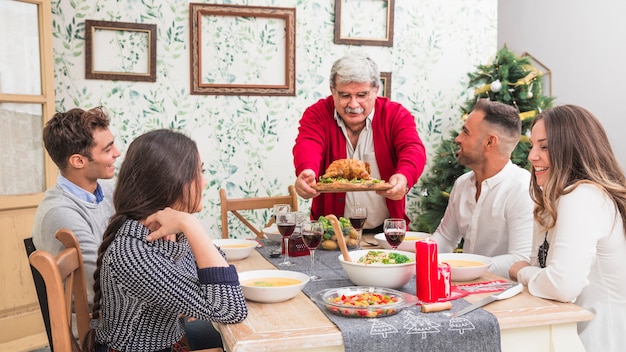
[341, 187]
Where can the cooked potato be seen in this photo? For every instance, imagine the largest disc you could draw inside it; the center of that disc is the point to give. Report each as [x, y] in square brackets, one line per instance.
[353, 234]
[329, 245]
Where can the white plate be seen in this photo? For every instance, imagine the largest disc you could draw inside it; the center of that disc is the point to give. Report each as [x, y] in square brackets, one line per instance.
[407, 245]
[236, 249]
[272, 234]
[271, 294]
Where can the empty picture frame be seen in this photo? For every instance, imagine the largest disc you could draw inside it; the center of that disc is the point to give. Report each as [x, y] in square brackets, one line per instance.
[385, 85]
[546, 73]
[242, 50]
[364, 22]
[120, 51]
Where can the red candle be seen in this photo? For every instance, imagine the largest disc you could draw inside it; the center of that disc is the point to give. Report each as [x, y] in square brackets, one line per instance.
[427, 271]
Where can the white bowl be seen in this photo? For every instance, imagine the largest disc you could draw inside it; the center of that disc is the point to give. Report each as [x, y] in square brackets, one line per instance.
[272, 234]
[271, 294]
[236, 249]
[378, 275]
[408, 244]
[460, 272]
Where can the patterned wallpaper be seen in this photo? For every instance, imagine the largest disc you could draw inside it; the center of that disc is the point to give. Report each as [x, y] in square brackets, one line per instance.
[246, 141]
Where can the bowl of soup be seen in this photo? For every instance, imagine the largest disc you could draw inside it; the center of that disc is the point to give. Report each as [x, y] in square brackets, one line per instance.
[379, 267]
[407, 245]
[236, 249]
[272, 234]
[465, 266]
[271, 286]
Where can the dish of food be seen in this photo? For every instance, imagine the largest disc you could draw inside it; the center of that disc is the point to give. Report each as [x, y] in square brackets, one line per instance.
[388, 275]
[465, 266]
[329, 240]
[272, 234]
[382, 257]
[349, 175]
[344, 185]
[235, 249]
[364, 301]
[271, 286]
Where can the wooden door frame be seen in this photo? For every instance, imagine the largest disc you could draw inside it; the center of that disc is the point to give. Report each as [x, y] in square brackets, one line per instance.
[21, 323]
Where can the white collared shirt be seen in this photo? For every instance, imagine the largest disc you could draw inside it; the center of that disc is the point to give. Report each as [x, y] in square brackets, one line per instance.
[377, 210]
[498, 225]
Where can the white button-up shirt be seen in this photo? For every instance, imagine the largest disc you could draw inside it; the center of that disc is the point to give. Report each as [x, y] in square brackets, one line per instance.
[499, 224]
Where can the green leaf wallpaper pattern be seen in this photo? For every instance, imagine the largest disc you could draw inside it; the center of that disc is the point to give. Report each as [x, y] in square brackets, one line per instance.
[246, 141]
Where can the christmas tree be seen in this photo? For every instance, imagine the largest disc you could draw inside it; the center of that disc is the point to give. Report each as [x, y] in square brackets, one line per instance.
[509, 79]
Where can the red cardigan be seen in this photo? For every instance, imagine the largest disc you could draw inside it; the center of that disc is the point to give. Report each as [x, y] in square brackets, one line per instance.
[397, 146]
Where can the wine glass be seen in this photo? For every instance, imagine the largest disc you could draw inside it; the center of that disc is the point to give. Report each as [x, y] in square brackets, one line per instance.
[312, 232]
[357, 216]
[280, 208]
[286, 223]
[394, 229]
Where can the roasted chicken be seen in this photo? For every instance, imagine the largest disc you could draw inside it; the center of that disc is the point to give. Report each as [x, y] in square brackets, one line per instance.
[348, 169]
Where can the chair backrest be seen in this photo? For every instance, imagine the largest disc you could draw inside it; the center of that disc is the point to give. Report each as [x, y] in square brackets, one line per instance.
[40, 286]
[234, 205]
[64, 278]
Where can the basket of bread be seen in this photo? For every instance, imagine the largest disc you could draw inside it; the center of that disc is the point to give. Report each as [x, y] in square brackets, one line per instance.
[329, 240]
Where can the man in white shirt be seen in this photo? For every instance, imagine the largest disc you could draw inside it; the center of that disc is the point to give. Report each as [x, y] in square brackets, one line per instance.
[490, 207]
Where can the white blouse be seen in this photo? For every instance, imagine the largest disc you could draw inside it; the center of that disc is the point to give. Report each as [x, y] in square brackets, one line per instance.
[585, 264]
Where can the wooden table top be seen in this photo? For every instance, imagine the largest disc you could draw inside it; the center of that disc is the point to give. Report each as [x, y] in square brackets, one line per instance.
[299, 321]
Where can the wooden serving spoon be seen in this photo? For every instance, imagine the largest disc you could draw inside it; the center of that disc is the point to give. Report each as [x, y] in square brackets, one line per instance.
[341, 241]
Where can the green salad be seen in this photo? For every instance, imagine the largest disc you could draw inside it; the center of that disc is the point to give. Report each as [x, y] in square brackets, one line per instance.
[380, 257]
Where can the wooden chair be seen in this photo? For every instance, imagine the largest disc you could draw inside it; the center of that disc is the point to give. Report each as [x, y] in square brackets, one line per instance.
[234, 205]
[40, 287]
[64, 278]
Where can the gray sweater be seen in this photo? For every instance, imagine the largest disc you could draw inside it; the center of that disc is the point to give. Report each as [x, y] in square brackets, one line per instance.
[147, 286]
[88, 221]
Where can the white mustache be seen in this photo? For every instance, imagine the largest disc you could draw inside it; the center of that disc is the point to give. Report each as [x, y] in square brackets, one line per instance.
[358, 110]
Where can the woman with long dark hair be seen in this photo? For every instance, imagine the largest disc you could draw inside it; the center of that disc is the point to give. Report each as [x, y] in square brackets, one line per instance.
[579, 244]
[156, 263]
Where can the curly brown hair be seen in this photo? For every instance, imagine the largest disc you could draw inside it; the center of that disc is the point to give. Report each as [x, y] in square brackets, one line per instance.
[71, 132]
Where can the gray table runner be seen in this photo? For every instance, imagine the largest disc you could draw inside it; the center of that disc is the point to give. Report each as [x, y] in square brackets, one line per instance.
[410, 330]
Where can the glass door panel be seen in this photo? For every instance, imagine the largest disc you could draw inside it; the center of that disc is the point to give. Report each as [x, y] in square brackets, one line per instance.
[22, 146]
[19, 48]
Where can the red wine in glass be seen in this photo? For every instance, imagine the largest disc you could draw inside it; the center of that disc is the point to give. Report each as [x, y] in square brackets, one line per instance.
[312, 240]
[395, 237]
[286, 224]
[357, 223]
[312, 232]
[286, 229]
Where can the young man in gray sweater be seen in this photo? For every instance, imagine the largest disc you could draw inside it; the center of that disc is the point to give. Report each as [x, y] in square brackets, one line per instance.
[82, 146]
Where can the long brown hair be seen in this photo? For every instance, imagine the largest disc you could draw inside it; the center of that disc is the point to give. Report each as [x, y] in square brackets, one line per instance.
[579, 152]
[158, 171]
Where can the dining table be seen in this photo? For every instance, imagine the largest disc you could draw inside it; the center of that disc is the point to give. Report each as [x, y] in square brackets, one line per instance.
[526, 322]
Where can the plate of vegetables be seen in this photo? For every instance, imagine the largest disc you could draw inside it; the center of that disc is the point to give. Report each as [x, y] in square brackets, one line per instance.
[329, 240]
[364, 301]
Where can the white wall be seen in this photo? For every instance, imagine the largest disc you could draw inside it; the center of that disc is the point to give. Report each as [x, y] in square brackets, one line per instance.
[583, 42]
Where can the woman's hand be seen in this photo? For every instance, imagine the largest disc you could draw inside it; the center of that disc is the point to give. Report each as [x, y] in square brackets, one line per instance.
[167, 223]
[515, 268]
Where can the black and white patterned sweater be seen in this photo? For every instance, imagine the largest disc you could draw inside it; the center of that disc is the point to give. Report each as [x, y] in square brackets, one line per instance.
[147, 286]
